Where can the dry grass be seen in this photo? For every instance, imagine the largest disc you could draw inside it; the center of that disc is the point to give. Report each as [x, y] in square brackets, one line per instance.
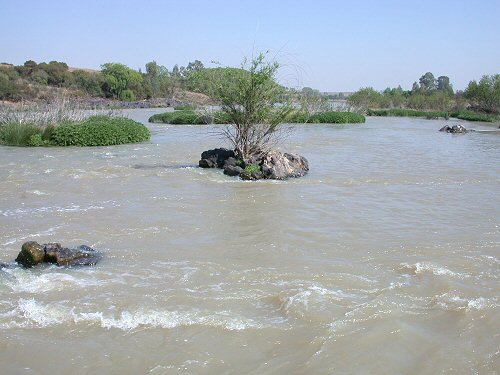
[44, 114]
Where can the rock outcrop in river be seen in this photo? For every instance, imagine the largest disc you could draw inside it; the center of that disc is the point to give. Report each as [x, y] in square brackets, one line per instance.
[273, 165]
[32, 253]
[454, 129]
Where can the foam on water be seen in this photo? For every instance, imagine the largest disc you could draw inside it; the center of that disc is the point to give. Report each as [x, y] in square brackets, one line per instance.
[18, 280]
[19, 212]
[422, 268]
[30, 313]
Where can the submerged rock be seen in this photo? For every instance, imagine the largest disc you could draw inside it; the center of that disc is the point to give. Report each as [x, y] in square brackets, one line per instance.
[32, 253]
[454, 129]
[272, 165]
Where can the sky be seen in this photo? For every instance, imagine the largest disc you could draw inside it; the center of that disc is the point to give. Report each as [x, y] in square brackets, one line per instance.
[327, 45]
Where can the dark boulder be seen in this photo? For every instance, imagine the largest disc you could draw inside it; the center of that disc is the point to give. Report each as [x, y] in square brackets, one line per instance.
[232, 170]
[215, 158]
[81, 256]
[33, 253]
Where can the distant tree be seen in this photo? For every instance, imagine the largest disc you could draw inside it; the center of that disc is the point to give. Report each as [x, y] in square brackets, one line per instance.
[415, 89]
[366, 98]
[485, 95]
[443, 84]
[40, 76]
[176, 71]
[427, 82]
[393, 97]
[27, 68]
[58, 74]
[157, 80]
[90, 82]
[119, 77]
[308, 91]
[195, 66]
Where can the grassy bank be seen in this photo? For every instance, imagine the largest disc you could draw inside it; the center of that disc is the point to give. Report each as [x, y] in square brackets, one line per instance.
[94, 131]
[463, 114]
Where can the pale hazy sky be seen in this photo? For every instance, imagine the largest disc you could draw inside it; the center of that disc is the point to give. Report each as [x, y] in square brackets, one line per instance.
[328, 45]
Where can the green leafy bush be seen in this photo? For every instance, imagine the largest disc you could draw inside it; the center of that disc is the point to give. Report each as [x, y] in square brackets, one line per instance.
[185, 107]
[100, 131]
[179, 117]
[463, 114]
[331, 117]
[252, 168]
[191, 118]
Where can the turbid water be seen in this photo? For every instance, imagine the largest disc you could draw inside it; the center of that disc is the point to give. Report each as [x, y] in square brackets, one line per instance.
[384, 259]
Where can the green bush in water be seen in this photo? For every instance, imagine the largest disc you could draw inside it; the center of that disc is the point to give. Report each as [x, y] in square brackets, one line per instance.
[179, 118]
[100, 131]
[190, 118]
[403, 112]
[332, 117]
[185, 107]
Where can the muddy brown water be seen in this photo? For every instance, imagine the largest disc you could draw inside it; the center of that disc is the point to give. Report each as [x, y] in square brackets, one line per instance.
[384, 259]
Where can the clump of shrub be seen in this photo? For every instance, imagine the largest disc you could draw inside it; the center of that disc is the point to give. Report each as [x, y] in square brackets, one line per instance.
[185, 107]
[463, 114]
[476, 116]
[190, 118]
[331, 117]
[100, 131]
[252, 168]
[15, 134]
[94, 131]
[178, 118]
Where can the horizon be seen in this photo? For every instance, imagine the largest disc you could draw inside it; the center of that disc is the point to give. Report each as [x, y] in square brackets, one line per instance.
[331, 47]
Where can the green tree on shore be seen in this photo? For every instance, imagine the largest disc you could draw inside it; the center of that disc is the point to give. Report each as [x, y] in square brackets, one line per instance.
[118, 78]
[485, 95]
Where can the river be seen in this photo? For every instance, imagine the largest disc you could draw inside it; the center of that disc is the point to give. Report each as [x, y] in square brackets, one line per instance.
[384, 259]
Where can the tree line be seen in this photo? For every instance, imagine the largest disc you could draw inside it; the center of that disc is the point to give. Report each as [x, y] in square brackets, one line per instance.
[436, 94]
[115, 81]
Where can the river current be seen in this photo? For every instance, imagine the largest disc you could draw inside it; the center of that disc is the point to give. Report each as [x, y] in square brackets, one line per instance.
[384, 259]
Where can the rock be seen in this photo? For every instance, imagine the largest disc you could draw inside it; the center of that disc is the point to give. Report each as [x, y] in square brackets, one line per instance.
[456, 129]
[232, 170]
[251, 176]
[207, 163]
[32, 253]
[280, 166]
[230, 162]
[273, 165]
[81, 256]
[215, 158]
